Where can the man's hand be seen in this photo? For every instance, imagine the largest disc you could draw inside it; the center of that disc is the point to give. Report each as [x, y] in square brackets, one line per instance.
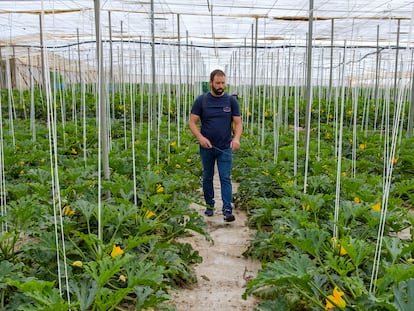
[205, 142]
[235, 145]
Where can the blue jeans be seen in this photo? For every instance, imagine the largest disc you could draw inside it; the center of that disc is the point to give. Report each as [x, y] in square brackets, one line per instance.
[224, 159]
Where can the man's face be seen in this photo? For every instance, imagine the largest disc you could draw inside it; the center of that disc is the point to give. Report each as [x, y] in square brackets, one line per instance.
[218, 84]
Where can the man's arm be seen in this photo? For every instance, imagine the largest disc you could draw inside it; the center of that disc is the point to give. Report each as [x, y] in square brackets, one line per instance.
[193, 124]
[238, 130]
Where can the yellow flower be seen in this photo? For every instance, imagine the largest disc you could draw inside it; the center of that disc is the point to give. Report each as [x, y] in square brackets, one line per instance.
[160, 188]
[343, 174]
[177, 166]
[67, 211]
[357, 200]
[335, 300]
[116, 251]
[349, 112]
[188, 160]
[410, 260]
[328, 136]
[21, 163]
[77, 264]
[122, 278]
[149, 214]
[376, 207]
[21, 172]
[394, 160]
[306, 207]
[173, 144]
[157, 171]
[266, 114]
[74, 151]
[42, 160]
[249, 114]
[265, 172]
[362, 146]
[342, 250]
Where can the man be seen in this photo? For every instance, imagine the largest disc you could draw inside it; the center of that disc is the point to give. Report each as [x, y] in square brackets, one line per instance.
[219, 137]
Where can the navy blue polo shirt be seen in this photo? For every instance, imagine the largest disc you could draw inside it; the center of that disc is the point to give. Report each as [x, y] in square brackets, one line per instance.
[216, 117]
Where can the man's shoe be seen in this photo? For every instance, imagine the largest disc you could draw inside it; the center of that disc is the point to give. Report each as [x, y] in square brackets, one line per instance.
[209, 212]
[229, 217]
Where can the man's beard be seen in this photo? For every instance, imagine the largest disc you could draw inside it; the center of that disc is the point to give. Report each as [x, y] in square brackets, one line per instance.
[217, 91]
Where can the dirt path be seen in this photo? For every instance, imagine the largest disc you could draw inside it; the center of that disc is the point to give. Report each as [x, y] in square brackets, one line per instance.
[224, 272]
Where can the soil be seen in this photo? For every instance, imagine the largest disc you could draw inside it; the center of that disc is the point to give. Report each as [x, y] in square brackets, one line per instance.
[224, 272]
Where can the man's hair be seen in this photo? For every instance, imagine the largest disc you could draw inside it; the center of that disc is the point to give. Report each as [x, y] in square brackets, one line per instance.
[217, 72]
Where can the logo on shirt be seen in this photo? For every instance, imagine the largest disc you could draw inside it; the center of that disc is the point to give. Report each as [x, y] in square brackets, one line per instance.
[227, 109]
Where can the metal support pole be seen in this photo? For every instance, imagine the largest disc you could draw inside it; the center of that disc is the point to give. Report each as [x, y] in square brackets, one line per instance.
[331, 62]
[101, 92]
[309, 74]
[411, 114]
[153, 97]
[178, 90]
[308, 90]
[42, 54]
[397, 50]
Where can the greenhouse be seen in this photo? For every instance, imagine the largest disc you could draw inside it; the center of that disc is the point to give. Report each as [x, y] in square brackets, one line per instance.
[101, 176]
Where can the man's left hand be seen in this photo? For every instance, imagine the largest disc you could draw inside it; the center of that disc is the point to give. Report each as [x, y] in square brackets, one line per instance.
[235, 145]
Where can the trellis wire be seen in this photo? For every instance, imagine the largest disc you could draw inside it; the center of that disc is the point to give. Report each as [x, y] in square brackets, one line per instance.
[132, 108]
[10, 101]
[277, 110]
[339, 152]
[3, 196]
[354, 129]
[320, 95]
[32, 102]
[56, 200]
[389, 156]
[296, 131]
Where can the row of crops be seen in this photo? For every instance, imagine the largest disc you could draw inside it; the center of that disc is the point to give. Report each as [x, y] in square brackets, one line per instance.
[332, 220]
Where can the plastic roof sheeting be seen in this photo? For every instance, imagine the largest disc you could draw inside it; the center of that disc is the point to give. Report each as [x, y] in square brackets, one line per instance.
[215, 29]
[208, 22]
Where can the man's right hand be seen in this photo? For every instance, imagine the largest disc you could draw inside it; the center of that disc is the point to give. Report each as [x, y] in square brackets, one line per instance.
[205, 142]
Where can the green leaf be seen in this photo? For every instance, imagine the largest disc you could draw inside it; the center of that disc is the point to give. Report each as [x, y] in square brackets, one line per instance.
[144, 274]
[85, 207]
[341, 265]
[295, 270]
[104, 269]
[309, 240]
[85, 291]
[358, 250]
[146, 297]
[107, 299]
[9, 270]
[394, 248]
[44, 294]
[404, 295]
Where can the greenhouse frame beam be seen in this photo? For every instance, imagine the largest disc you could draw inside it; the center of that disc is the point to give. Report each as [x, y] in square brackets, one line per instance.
[175, 12]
